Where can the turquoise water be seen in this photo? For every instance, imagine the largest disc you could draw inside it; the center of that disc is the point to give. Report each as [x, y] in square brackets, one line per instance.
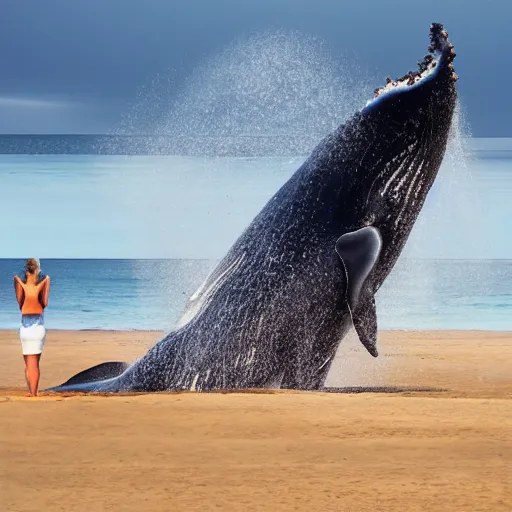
[163, 222]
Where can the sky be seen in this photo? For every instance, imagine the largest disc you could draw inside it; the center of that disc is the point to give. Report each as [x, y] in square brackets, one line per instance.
[77, 66]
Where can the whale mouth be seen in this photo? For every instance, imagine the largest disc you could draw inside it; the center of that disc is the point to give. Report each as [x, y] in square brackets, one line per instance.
[439, 59]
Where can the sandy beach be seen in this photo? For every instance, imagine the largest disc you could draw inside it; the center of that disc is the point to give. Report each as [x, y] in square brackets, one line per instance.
[434, 433]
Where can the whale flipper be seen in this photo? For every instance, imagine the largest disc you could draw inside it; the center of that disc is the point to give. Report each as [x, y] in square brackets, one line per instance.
[365, 324]
[101, 371]
[359, 252]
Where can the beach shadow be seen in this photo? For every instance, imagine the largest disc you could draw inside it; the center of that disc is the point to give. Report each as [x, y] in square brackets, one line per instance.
[381, 389]
[8, 394]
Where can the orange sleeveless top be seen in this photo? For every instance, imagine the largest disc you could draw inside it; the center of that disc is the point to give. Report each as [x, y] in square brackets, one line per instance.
[32, 298]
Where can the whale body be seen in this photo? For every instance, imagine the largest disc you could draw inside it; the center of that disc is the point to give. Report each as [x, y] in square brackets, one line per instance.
[274, 311]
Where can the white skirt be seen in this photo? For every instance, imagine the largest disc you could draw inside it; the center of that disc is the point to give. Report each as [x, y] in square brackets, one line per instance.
[32, 335]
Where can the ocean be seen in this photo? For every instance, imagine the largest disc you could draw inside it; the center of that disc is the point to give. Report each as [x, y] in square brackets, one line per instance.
[128, 238]
[150, 294]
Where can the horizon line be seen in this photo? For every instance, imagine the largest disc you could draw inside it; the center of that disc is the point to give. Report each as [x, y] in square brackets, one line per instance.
[174, 136]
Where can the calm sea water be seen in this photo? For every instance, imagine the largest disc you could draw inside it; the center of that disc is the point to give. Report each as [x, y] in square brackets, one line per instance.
[150, 294]
[164, 221]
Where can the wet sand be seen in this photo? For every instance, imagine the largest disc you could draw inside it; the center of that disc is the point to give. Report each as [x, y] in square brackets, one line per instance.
[435, 433]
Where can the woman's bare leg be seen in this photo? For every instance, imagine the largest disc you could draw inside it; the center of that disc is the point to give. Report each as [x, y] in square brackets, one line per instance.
[33, 373]
[26, 371]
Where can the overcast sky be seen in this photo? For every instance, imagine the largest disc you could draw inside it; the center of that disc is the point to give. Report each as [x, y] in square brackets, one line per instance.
[73, 66]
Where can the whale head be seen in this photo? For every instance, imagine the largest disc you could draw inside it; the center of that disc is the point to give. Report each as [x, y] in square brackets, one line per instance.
[382, 162]
[412, 117]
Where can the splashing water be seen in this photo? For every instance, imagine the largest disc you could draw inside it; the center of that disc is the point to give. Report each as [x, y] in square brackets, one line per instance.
[276, 93]
[450, 214]
[272, 84]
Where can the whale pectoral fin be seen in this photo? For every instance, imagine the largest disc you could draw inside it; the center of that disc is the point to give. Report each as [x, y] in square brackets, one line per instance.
[101, 371]
[359, 251]
[365, 324]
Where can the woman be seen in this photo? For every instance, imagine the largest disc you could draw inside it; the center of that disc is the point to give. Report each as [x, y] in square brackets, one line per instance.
[32, 292]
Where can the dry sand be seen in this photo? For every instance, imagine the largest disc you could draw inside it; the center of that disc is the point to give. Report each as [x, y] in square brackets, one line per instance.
[448, 447]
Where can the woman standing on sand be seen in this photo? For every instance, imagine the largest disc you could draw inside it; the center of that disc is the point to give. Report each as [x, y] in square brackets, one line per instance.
[32, 292]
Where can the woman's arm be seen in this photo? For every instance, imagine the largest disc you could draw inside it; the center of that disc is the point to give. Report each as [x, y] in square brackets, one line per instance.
[45, 292]
[20, 294]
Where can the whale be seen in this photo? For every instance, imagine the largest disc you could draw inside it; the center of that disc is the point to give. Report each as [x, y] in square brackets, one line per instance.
[305, 271]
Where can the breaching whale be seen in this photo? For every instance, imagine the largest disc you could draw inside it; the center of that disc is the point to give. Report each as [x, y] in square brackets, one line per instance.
[274, 311]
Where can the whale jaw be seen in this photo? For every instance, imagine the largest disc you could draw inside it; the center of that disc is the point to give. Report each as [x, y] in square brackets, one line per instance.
[438, 62]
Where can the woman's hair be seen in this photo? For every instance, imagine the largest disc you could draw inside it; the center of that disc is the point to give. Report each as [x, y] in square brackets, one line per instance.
[32, 266]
